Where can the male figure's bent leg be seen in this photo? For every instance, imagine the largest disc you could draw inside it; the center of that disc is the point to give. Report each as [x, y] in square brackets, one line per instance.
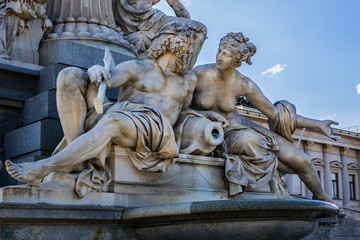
[87, 146]
[74, 96]
[72, 101]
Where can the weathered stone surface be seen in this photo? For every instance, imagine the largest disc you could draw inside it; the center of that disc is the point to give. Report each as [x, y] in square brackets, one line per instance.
[40, 107]
[18, 79]
[191, 178]
[195, 220]
[80, 54]
[48, 77]
[254, 219]
[41, 135]
[189, 171]
[53, 222]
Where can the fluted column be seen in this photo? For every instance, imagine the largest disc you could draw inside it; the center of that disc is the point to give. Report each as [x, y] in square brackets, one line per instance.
[327, 171]
[358, 161]
[307, 147]
[84, 19]
[289, 180]
[345, 177]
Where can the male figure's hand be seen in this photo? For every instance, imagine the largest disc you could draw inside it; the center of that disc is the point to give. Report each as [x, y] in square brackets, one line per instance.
[97, 74]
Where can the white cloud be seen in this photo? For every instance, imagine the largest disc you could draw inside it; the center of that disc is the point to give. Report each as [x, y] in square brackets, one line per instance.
[358, 88]
[329, 117]
[187, 2]
[275, 70]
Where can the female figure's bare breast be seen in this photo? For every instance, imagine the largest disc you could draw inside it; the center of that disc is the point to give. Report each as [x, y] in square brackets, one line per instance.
[215, 92]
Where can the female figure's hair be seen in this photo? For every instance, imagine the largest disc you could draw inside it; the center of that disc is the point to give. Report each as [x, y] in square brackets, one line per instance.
[238, 44]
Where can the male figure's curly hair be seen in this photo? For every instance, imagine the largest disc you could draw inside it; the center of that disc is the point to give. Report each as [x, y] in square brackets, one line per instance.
[238, 44]
[175, 38]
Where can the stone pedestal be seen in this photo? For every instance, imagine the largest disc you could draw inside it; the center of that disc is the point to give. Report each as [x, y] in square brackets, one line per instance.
[191, 178]
[84, 19]
[256, 219]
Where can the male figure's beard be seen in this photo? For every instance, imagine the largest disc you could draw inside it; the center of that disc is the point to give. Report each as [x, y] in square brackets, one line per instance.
[179, 66]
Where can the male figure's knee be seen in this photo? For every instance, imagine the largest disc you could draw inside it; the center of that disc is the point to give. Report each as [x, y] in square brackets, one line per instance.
[121, 121]
[122, 125]
[69, 77]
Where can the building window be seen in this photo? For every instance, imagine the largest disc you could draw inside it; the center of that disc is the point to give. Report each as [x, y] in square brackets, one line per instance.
[352, 186]
[335, 185]
[319, 174]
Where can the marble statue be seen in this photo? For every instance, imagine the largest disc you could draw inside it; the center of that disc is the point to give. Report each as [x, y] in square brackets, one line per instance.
[256, 153]
[153, 93]
[22, 25]
[140, 23]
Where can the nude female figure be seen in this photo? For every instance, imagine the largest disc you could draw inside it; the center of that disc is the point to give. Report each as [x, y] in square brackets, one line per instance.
[218, 87]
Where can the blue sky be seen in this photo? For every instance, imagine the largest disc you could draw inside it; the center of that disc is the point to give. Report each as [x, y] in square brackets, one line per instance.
[308, 52]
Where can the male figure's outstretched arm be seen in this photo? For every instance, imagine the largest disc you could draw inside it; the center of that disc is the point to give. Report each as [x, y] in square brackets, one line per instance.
[179, 8]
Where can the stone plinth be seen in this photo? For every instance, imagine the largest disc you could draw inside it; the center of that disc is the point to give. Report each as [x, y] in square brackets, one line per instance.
[191, 178]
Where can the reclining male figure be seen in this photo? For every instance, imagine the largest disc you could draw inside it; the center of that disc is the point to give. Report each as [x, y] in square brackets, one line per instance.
[153, 93]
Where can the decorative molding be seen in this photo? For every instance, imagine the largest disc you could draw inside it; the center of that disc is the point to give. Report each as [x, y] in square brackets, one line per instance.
[308, 144]
[353, 166]
[318, 162]
[336, 164]
[344, 150]
[326, 147]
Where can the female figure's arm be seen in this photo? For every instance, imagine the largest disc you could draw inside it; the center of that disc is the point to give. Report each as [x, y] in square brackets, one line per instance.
[259, 100]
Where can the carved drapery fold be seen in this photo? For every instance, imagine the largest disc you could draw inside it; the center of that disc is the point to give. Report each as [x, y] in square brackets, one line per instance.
[22, 25]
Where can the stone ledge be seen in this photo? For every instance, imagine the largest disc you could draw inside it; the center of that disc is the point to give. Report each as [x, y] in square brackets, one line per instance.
[46, 213]
[254, 219]
[11, 103]
[20, 67]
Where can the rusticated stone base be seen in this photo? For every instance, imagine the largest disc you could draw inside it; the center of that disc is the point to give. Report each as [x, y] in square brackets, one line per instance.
[41, 221]
[233, 219]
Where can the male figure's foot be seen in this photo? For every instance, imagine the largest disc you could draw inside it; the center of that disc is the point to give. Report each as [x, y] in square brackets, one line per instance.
[29, 173]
